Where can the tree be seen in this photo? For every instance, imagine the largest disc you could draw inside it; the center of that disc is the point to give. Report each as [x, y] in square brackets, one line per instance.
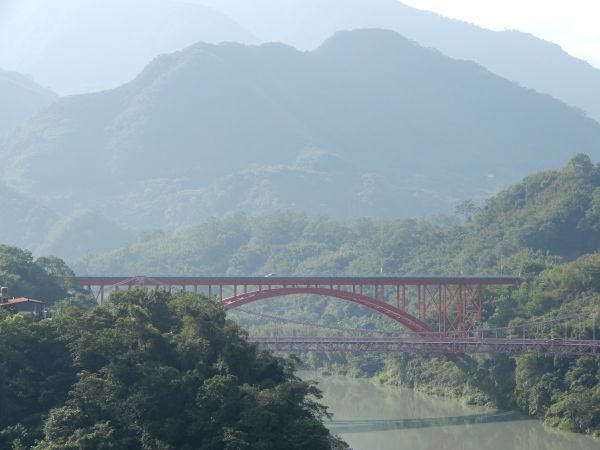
[171, 371]
[27, 278]
[466, 209]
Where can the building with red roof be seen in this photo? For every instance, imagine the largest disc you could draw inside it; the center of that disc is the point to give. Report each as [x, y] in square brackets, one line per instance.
[24, 305]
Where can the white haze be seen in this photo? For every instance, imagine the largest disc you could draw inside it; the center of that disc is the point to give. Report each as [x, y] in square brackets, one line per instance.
[572, 24]
[77, 46]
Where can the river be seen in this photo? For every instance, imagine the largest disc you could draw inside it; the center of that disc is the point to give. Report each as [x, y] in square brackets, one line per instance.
[373, 417]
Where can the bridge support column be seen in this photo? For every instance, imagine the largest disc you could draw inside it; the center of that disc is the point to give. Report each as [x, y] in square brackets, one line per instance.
[419, 314]
[444, 302]
[424, 303]
[462, 326]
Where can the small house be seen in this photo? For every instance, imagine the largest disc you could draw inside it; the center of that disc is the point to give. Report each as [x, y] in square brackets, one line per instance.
[22, 305]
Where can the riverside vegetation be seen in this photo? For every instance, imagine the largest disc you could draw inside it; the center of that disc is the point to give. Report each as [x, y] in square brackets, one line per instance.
[147, 370]
[155, 371]
[546, 229]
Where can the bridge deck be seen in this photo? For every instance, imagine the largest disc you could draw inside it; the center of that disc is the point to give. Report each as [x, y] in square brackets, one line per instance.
[443, 345]
[293, 280]
[456, 302]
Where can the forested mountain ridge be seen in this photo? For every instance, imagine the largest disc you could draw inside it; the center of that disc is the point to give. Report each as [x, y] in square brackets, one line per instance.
[354, 122]
[549, 213]
[133, 32]
[515, 55]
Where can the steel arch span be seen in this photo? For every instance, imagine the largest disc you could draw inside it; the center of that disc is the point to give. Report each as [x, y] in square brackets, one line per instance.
[454, 304]
[396, 314]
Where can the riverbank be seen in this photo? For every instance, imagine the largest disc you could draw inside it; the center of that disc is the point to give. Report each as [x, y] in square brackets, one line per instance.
[369, 415]
[552, 390]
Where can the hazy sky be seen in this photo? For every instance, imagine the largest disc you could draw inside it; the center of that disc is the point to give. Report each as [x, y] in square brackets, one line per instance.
[573, 24]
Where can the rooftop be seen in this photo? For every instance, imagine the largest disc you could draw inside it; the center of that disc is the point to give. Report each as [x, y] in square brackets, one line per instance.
[16, 301]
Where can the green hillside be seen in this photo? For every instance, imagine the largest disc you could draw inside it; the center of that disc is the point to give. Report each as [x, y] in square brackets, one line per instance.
[411, 131]
[143, 371]
[549, 213]
[544, 229]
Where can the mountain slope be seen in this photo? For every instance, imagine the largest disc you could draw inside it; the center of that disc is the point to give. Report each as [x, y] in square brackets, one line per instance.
[23, 219]
[82, 233]
[77, 46]
[547, 215]
[81, 46]
[530, 61]
[30, 224]
[20, 98]
[397, 118]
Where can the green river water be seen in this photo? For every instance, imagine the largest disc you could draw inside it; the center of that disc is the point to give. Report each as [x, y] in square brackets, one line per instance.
[373, 417]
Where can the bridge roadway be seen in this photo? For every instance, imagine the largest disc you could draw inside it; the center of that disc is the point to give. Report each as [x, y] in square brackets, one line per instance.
[216, 280]
[442, 345]
[454, 305]
[422, 304]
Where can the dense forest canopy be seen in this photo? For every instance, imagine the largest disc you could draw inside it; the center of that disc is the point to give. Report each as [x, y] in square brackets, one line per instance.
[45, 278]
[150, 371]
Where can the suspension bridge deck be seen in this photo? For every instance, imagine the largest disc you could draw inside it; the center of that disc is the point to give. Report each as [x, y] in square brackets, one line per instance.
[446, 346]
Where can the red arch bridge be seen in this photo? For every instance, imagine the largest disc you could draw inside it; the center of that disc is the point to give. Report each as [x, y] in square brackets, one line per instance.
[441, 313]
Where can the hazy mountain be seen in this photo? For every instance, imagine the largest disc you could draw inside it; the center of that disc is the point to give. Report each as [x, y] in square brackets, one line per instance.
[84, 232]
[530, 61]
[78, 46]
[398, 130]
[24, 220]
[85, 45]
[20, 98]
[29, 224]
[553, 212]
